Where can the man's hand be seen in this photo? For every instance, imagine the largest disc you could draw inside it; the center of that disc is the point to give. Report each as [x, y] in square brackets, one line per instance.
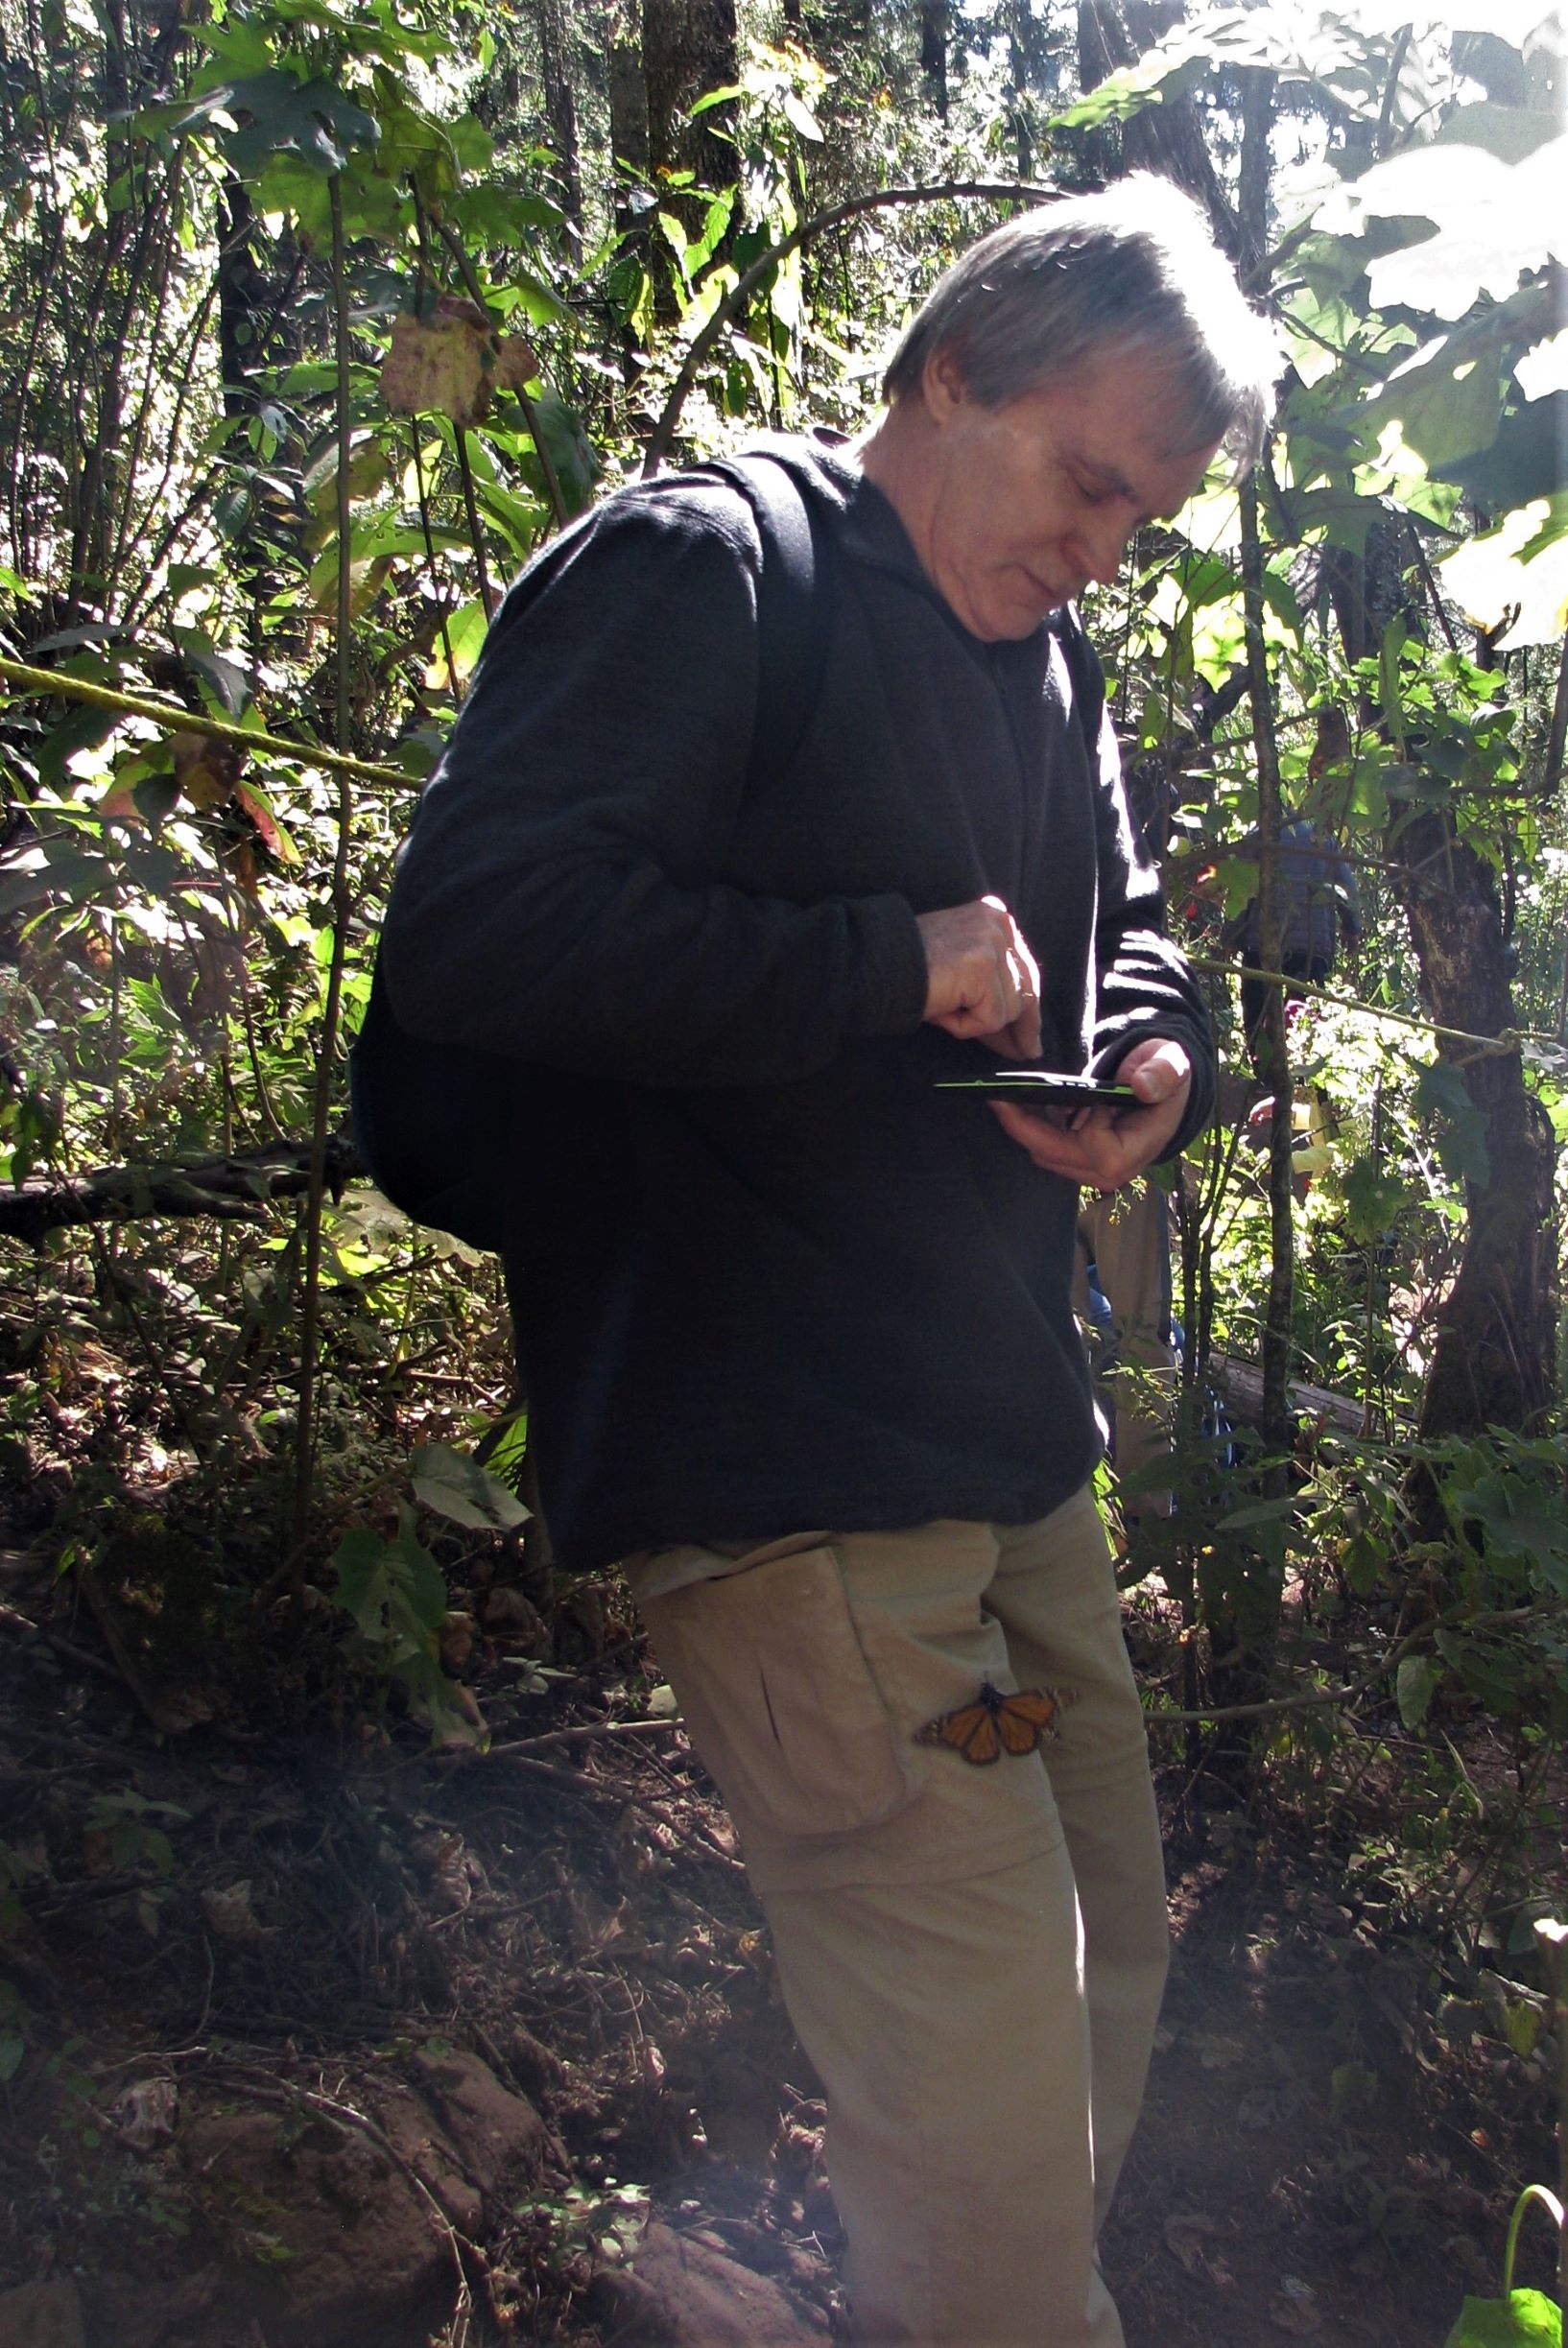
[1101, 1147]
[982, 981]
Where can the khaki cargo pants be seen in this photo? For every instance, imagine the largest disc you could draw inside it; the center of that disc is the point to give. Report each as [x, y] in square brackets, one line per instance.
[973, 1957]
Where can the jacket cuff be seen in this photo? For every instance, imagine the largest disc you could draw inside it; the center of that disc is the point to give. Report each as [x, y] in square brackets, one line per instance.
[1201, 1099]
[893, 982]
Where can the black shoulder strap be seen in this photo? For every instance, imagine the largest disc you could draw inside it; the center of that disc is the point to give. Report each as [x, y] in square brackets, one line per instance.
[795, 608]
[434, 1122]
[1088, 681]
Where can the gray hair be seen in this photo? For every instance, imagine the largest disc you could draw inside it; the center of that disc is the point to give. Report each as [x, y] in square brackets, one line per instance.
[1132, 270]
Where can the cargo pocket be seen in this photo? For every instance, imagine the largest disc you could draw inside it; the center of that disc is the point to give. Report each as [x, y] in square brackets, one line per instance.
[779, 1699]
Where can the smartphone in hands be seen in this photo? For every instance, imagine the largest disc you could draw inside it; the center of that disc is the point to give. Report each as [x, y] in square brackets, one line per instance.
[1042, 1088]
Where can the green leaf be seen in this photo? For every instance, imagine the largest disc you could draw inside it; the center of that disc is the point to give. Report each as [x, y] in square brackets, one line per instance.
[1492, 222]
[1373, 1196]
[1520, 1521]
[503, 1447]
[1414, 1684]
[1525, 2320]
[1448, 399]
[800, 117]
[716, 96]
[418, 1584]
[1511, 133]
[360, 1562]
[1264, 1512]
[1520, 568]
[455, 1485]
[1353, 2088]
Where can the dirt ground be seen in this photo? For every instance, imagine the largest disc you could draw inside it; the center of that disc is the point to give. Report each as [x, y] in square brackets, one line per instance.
[267, 1996]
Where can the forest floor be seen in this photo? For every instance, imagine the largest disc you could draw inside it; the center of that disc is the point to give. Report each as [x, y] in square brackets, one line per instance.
[327, 2041]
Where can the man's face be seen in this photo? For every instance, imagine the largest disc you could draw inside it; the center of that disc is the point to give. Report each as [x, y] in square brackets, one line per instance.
[1029, 503]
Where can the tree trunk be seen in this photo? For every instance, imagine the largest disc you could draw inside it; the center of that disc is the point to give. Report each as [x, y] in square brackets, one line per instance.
[934, 15]
[1169, 138]
[561, 106]
[628, 96]
[1493, 1361]
[688, 47]
[245, 297]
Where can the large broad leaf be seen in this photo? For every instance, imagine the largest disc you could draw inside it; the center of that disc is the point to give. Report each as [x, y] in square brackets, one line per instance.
[1448, 398]
[457, 1487]
[1521, 1521]
[1544, 367]
[1524, 2319]
[1525, 459]
[1494, 221]
[452, 362]
[1522, 568]
[1511, 133]
[1414, 1682]
[312, 120]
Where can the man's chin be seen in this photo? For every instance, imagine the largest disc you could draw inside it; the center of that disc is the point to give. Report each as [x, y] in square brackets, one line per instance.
[1049, 596]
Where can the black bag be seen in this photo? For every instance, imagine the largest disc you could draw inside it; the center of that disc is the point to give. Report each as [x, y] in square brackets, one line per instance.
[433, 1120]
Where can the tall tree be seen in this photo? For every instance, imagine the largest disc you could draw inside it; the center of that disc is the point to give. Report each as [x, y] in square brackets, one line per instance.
[689, 47]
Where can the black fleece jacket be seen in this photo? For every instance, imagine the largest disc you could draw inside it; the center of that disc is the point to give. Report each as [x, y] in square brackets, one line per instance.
[766, 1278]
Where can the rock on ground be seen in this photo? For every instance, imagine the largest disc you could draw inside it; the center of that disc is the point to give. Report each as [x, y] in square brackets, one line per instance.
[41, 2315]
[323, 2231]
[682, 2291]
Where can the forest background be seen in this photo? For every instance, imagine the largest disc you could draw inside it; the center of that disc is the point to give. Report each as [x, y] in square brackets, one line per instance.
[316, 319]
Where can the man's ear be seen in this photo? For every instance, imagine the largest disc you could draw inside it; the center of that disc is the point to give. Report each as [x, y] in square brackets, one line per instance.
[942, 384]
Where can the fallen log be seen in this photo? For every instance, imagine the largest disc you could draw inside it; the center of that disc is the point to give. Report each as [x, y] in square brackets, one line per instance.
[236, 1189]
[1240, 1385]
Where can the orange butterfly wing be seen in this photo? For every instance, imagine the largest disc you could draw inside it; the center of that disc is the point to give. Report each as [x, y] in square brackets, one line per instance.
[1026, 1720]
[971, 1730]
[995, 1724]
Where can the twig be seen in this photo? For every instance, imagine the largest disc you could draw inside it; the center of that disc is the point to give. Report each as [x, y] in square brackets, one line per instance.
[341, 902]
[746, 285]
[177, 720]
[591, 1787]
[1506, 1039]
[12, 1619]
[1336, 1695]
[232, 1189]
[584, 1736]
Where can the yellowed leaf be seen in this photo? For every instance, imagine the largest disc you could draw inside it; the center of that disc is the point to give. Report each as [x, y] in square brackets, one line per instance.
[454, 362]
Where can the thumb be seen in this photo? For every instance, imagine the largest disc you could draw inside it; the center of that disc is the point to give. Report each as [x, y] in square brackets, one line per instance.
[1163, 1073]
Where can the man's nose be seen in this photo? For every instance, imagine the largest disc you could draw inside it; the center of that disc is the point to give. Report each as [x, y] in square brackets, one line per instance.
[1099, 548]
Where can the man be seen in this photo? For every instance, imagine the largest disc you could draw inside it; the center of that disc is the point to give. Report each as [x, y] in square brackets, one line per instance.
[794, 1323]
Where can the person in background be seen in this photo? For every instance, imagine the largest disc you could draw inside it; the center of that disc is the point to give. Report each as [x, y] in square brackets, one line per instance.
[1317, 905]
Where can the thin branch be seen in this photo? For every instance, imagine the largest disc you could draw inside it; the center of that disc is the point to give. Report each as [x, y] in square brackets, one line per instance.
[470, 507]
[475, 293]
[1396, 66]
[233, 1188]
[174, 719]
[1556, 740]
[341, 907]
[995, 191]
[1506, 1039]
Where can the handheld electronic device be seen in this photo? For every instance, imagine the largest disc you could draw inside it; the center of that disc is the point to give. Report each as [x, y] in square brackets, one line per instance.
[1042, 1088]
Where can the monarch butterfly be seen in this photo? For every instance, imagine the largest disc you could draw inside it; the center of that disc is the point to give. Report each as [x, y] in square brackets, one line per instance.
[995, 1725]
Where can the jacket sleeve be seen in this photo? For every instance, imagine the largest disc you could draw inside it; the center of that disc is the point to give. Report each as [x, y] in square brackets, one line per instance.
[1146, 987]
[560, 900]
